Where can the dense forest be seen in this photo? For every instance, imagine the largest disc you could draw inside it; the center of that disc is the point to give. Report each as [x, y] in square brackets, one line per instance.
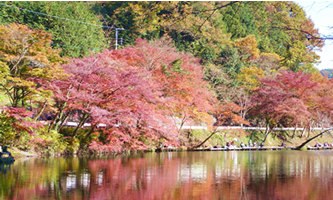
[204, 63]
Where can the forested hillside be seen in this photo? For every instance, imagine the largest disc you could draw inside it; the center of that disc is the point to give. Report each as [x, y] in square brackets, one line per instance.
[75, 39]
[211, 63]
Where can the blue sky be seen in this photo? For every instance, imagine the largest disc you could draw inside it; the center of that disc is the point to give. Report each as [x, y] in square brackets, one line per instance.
[321, 13]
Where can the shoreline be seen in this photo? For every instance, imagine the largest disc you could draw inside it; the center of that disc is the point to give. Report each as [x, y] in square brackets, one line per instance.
[245, 149]
[22, 154]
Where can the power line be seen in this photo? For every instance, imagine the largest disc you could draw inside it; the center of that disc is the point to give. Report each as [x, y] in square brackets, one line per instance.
[72, 20]
[63, 18]
[77, 47]
[323, 8]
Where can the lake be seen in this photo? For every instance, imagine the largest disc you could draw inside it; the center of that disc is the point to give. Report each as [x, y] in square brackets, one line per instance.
[174, 175]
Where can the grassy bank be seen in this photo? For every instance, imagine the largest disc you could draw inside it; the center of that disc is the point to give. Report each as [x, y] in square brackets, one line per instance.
[64, 144]
[276, 138]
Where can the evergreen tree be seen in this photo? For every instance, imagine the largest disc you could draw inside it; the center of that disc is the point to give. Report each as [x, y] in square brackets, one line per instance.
[75, 39]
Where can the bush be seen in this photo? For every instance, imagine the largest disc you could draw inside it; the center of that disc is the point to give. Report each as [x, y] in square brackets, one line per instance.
[47, 143]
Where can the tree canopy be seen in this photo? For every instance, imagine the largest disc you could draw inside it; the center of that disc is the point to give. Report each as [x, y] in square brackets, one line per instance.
[73, 38]
[210, 63]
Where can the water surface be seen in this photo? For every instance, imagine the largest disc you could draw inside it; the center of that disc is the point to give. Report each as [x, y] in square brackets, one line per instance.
[174, 175]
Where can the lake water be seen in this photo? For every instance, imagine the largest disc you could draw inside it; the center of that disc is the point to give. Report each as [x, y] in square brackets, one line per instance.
[265, 175]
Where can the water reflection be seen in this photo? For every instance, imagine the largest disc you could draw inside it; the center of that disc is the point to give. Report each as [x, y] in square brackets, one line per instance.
[177, 175]
[4, 168]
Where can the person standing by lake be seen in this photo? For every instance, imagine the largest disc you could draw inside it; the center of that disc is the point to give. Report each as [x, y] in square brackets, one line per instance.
[5, 151]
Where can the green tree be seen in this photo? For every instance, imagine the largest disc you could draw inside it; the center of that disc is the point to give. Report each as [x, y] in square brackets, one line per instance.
[194, 26]
[76, 39]
[239, 20]
[285, 30]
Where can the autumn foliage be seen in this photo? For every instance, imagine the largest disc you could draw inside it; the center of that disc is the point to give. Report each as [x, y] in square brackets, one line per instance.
[283, 97]
[136, 93]
[142, 96]
[27, 63]
[229, 114]
[14, 123]
[292, 99]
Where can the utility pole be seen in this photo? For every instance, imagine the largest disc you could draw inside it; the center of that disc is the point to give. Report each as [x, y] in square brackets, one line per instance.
[118, 29]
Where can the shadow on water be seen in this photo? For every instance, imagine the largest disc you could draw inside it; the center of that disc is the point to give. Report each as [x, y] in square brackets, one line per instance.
[4, 168]
[174, 175]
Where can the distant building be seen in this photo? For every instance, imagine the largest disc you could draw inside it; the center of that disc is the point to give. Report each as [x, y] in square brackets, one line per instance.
[327, 73]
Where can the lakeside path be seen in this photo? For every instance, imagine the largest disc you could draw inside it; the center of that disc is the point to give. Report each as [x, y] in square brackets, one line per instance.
[74, 124]
[247, 149]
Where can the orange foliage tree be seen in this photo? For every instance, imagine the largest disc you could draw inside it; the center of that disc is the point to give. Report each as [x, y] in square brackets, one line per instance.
[27, 63]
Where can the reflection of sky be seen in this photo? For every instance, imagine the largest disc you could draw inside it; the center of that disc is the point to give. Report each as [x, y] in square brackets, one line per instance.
[228, 169]
[99, 178]
[321, 13]
[196, 171]
[85, 180]
[219, 175]
[71, 182]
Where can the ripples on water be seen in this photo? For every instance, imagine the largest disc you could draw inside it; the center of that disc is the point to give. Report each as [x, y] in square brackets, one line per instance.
[174, 175]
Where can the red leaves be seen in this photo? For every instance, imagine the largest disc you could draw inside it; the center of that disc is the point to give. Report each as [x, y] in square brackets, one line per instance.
[16, 113]
[293, 111]
[228, 114]
[17, 119]
[180, 79]
[130, 91]
[289, 99]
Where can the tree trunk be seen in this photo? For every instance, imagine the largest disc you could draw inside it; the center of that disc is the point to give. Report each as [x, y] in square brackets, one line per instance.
[188, 134]
[53, 122]
[303, 132]
[182, 124]
[15, 99]
[199, 145]
[63, 120]
[294, 133]
[61, 107]
[268, 130]
[309, 132]
[314, 137]
[41, 111]
[81, 123]
[92, 128]
[57, 123]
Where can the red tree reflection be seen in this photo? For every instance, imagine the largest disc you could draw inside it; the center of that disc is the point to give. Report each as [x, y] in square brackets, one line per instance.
[186, 175]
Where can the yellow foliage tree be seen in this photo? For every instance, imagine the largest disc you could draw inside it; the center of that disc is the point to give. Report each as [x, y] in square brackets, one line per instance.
[248, 47]
[248, 77]
[27, 62]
